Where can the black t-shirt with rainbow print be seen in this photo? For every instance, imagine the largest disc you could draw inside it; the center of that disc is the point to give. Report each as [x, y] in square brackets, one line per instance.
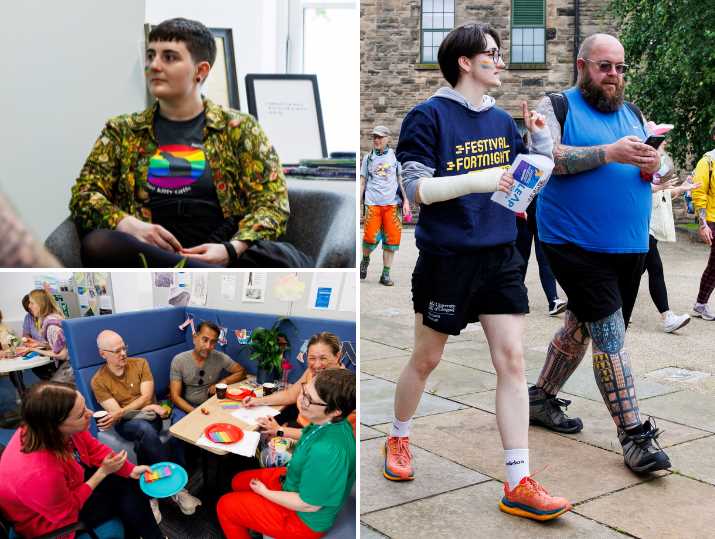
[182, 195]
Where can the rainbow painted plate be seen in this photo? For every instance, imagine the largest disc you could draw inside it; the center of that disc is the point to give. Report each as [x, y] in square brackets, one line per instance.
[223, 433]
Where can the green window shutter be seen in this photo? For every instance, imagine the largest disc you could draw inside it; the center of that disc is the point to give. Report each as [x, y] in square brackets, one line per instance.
[528, 12]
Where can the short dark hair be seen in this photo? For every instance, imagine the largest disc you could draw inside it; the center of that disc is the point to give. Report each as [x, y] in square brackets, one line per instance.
[210, 325]
[465, 40]
[198, 39]
[337, 388]
[26, 302]
[44, 408]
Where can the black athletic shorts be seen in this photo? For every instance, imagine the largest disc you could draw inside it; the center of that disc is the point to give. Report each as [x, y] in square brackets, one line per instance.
[452, 291]
[596, 284]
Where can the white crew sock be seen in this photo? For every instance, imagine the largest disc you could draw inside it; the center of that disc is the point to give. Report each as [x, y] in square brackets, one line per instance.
[517, 465]
[399, 428]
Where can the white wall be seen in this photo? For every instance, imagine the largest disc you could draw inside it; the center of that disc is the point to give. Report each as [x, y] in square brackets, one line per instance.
[271, 305]
[258, 27]
[132, 291]
[67, 66]
[13, 286]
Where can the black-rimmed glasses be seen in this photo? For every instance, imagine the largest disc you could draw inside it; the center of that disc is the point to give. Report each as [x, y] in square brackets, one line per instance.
[494, 54]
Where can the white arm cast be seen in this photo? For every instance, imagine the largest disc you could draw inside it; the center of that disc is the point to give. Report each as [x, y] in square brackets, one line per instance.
[449, 187]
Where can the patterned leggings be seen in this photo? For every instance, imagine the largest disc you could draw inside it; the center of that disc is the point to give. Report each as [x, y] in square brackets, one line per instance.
[707, 281]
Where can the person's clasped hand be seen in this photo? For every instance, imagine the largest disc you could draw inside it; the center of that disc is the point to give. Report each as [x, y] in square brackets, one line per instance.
[630, 150]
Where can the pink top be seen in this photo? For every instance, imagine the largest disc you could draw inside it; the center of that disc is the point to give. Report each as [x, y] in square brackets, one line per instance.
[40, 492]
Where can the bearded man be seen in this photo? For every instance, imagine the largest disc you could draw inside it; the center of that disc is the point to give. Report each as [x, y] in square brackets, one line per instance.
[593, 218]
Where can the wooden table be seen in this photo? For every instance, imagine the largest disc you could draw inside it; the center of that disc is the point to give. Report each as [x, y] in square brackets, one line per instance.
[191, 428]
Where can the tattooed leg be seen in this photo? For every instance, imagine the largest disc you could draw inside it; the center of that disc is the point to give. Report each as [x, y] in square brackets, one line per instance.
[612, 368]
[566, 351]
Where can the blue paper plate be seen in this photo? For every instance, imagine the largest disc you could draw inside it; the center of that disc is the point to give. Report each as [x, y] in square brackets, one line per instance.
[168, 486]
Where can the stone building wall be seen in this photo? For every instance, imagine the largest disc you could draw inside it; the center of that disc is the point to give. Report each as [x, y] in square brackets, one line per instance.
[392, 81]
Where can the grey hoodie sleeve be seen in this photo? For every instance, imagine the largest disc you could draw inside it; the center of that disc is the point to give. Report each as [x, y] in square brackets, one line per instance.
[412, 172]
[541, 143]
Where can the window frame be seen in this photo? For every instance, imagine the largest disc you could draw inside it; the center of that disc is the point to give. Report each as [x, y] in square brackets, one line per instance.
[433, 63]
[527, 65]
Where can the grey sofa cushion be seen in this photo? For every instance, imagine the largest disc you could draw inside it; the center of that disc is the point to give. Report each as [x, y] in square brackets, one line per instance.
[321, 224]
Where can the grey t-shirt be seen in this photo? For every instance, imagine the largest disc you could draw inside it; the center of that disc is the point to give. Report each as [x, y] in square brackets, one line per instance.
[380, 173]
[184, 368]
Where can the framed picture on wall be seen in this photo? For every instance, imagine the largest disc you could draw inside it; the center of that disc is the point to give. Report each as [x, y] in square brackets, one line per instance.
[288, 109]
[221, 86]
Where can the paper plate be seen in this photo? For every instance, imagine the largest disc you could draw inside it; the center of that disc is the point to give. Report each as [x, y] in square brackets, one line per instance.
[167, 486]
[223, 433]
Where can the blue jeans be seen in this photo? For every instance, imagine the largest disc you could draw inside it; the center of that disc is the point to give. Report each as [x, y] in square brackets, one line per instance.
[177, 414]
[147, 444]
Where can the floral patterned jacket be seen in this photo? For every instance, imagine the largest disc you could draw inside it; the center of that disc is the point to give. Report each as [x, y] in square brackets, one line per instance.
[246, 169]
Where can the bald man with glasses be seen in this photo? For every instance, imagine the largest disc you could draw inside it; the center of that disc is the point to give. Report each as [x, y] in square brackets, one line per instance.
[593, 218]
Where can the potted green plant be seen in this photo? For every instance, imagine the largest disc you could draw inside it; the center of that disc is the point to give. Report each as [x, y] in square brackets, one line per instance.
[268, 345]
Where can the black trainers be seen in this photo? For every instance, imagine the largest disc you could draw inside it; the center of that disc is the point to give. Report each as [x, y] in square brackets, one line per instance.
[385, 279]
[642, 452]
[363, 268]
[546, 411]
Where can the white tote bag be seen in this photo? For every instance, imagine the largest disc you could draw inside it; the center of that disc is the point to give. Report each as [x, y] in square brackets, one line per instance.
[662, 226]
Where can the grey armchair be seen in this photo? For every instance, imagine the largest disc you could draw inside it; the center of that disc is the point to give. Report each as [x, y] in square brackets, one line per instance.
[321, 224]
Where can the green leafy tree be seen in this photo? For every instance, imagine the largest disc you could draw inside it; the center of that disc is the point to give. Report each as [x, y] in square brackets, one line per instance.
[672, 44]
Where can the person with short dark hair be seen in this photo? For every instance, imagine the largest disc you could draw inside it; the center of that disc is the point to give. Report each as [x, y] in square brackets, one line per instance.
[54, 472]
[303, 499]
[455, 149]
[195, 373]
[184, 179]
[593, 219]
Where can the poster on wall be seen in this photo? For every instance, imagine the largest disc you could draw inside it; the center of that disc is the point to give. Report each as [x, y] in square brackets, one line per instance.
[228, 286]
[179, 292]
[347, 296]
[289, 288]
[199, 287]
[324, 291]
[254, 287]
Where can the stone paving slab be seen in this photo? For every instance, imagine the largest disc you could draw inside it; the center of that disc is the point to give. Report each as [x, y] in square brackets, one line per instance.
[695, 459]
[446, 380]
[583, 383]
[473, 512]
[470, 437]
[377, 397]
[599, 429]
[685, 407]
[369, 533]
[436, 475]
[375, 350]
[669, 507]
[367, 433]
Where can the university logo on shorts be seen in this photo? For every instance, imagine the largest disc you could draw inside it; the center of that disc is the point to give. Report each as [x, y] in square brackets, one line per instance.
[436, 310]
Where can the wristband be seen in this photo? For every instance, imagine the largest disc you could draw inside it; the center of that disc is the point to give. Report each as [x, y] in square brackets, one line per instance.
[232, 254]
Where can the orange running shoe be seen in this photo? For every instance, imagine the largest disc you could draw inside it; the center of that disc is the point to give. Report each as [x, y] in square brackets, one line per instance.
[398, 459]
[529, 499]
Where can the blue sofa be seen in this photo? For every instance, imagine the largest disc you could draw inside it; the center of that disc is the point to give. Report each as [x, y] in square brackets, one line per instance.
[154, 335]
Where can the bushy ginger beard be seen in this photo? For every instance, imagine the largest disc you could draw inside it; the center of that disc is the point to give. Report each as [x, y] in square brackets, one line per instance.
[595, 95]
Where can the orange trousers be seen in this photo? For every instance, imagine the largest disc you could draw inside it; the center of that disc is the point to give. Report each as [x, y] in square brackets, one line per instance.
[244, 509]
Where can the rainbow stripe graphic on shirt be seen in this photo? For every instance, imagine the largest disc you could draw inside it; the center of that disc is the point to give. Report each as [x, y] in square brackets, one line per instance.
[175, 166]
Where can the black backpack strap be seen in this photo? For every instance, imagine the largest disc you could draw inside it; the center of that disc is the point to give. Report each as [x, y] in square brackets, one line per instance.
[634, 108]
[560, 105]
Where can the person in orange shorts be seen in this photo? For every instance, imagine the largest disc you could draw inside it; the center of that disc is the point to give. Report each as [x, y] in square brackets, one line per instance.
[381, 184]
